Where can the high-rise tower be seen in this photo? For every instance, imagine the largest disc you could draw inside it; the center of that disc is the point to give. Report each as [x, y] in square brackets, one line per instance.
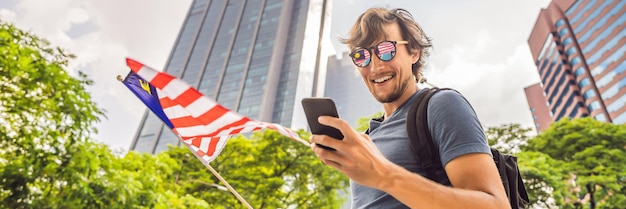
[256, 57]
[579, 48]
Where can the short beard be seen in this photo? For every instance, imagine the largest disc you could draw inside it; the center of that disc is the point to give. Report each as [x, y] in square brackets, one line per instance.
[396, 94]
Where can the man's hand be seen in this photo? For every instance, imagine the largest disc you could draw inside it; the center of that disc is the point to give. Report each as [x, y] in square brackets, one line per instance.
[356, 155]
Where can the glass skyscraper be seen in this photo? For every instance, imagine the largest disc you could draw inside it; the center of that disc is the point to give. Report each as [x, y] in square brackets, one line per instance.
[256, 57]
[579, 49]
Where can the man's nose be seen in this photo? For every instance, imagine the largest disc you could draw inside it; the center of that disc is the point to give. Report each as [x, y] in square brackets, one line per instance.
[376, 63]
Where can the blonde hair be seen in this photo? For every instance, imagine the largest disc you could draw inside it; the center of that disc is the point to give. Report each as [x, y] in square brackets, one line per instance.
[369, 27]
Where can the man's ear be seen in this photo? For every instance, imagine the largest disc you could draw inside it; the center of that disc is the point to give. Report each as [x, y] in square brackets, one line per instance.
[415, 56]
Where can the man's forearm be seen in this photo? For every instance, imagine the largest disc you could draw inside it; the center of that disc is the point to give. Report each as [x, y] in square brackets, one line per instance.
[417, 191]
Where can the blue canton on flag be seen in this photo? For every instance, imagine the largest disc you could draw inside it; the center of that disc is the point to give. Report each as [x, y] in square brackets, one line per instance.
[147, 94]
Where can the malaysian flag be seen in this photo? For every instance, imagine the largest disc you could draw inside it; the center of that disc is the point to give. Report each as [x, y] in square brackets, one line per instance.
[361, 57]
[202, 124]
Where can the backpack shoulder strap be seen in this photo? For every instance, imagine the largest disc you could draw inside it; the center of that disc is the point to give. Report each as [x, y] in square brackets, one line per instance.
[427, 153]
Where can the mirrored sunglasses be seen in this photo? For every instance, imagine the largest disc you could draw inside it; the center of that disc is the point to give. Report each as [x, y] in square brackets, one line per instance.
[385, 51]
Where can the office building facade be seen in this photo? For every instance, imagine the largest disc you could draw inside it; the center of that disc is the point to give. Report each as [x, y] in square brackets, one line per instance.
[579, 49]
[256, 57]
[538, 108]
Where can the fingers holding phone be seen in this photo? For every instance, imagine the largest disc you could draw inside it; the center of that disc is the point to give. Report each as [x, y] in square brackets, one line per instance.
[316, 107]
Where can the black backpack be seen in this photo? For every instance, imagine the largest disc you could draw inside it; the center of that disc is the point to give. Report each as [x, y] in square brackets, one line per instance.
[428, 154]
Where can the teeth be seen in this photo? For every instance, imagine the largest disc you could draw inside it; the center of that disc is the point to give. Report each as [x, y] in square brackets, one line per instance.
[383, 79]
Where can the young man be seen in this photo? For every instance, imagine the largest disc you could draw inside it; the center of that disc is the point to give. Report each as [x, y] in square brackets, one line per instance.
[388, 49]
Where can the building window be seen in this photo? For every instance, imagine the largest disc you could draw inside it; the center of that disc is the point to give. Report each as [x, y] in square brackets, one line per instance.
[571, 51]
[617, 104]
[559, 22]
[576, 60]
[597, 70]
[589, 93]
[621, 119]
[594, 106]
[613, 90]
[567, 41]
[600, 117]
[563, 32]
[579, 71]
[583, 83]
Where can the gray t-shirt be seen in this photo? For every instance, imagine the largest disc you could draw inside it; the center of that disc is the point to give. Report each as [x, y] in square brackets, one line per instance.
[454, 127]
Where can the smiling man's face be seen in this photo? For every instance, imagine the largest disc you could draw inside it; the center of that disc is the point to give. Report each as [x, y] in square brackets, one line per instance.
[389, 80]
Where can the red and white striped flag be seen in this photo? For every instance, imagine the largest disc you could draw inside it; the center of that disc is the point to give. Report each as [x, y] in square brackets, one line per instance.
[201, 123]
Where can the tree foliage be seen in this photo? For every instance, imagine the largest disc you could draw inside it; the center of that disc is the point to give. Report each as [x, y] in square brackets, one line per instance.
[44, 113]
[543, 177]
[592, 152]
[269, 170]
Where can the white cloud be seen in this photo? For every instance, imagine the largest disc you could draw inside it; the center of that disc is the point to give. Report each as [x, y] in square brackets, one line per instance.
[77, 15]
[145, 30]
[7, 15]
[495, 89]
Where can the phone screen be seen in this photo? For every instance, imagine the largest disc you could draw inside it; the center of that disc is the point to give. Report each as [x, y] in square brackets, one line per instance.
[315, 107]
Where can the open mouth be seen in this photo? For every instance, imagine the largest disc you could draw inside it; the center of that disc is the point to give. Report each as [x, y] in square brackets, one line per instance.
[382, 79]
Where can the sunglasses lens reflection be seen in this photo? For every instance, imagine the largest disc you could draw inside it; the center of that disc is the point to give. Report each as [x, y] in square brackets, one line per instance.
[361, 57]
[385, 51]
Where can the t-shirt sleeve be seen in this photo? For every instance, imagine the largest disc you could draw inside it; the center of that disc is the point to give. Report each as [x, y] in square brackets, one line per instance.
[454, 126]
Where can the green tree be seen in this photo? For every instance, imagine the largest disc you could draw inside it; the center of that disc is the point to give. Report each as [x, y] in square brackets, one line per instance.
[44, 112]
[543, 177]
[592, 152]
[269, 170]
[146, 181]
[100, 179]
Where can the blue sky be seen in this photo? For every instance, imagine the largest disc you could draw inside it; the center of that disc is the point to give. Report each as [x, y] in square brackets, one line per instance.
[480, 48]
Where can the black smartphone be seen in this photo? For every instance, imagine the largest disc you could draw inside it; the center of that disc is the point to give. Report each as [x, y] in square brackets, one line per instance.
[315, 107]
